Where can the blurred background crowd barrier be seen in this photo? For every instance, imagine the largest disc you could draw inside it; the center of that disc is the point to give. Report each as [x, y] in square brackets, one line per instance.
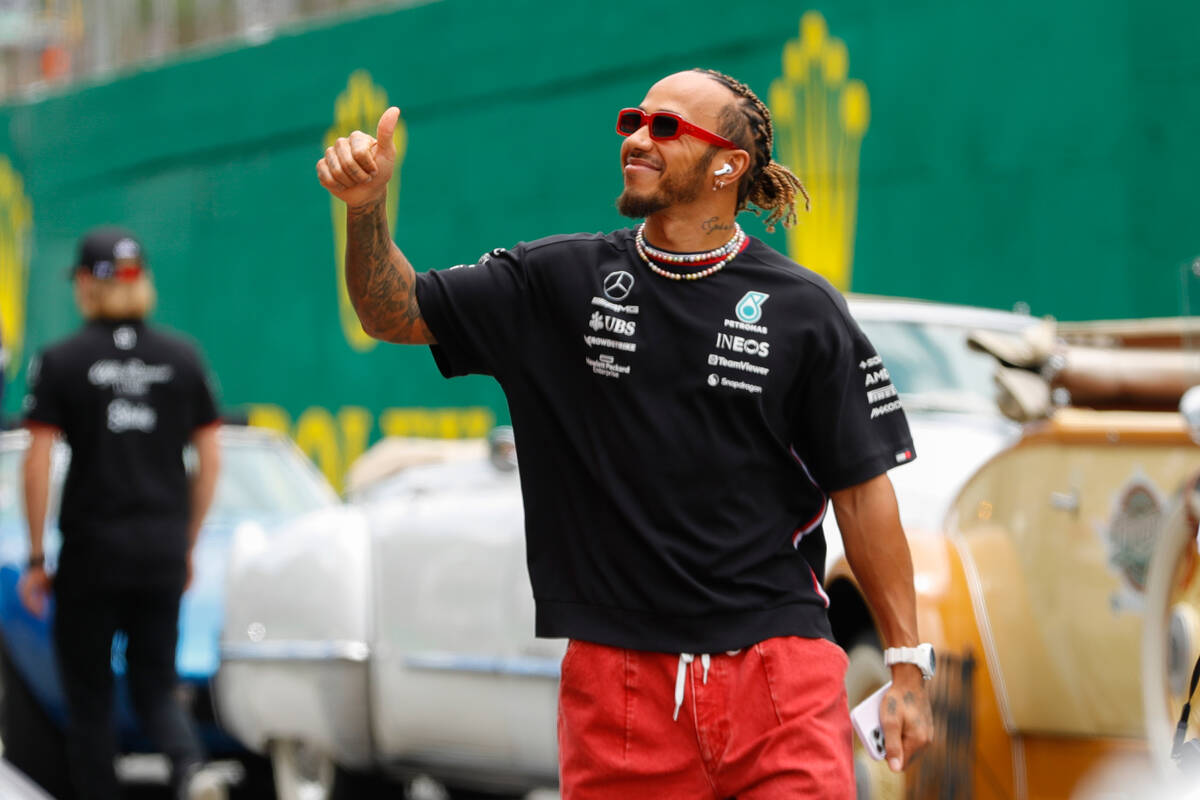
[46, 43]
[1031, 156]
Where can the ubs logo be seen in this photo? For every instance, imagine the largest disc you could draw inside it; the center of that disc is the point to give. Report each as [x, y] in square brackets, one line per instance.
[618, 285]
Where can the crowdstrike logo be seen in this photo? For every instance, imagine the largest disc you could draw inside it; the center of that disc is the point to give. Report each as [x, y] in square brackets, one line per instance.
[618, 285]
[749, 308]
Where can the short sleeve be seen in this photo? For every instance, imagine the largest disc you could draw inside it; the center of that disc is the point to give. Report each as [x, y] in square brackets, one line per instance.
[45, 400]
[477, 312]
[849, 425]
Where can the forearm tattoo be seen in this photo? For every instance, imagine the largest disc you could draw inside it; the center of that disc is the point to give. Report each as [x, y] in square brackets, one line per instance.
[379, 279]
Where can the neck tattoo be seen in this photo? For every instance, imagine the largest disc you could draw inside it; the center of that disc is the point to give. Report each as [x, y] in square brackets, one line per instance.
[714, 224]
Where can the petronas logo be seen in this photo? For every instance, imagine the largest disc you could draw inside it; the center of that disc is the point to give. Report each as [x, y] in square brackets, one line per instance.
[820, 118]
[16, 218]
[359, 107]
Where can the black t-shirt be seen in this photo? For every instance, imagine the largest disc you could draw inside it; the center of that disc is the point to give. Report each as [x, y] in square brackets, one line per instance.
[128, 398]
[677, 439]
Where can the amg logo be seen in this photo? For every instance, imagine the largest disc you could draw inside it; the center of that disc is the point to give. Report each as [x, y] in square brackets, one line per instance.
[879, 411]
[600, 322]
[617, 307]
[740, 344]
[875, 395]
[878, 376]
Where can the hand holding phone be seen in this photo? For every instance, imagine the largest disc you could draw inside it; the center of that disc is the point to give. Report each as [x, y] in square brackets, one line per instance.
[865, 719]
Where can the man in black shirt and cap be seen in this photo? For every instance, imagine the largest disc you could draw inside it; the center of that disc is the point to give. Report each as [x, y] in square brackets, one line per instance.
[687, 401]
[127, 398]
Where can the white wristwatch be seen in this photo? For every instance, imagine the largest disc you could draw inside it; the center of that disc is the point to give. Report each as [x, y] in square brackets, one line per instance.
[921, 655]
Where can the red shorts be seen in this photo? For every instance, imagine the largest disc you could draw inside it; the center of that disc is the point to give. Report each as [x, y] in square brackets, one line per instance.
[770, 721]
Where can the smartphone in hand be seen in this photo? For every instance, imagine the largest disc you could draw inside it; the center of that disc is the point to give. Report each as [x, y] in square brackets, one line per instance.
[865, 719]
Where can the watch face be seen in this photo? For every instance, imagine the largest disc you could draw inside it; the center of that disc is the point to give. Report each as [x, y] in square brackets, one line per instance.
[932, 660]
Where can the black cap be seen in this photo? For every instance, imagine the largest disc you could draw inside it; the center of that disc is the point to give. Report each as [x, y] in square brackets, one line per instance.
[102, 250]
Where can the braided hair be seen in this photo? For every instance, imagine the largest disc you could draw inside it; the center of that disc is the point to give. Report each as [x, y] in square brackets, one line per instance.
[767, 184]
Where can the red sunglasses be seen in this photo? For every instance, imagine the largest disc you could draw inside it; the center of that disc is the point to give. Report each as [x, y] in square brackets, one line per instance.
[665, 126]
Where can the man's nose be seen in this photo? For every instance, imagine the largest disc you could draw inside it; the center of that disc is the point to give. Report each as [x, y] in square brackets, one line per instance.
[640, 139]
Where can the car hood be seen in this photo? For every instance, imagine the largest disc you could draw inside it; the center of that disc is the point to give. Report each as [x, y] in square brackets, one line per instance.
[202, 610]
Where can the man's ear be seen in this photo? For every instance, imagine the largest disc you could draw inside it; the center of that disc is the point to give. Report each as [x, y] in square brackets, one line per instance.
[730, 165]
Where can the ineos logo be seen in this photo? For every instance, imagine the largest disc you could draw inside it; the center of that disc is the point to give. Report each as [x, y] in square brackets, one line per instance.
[618, 285]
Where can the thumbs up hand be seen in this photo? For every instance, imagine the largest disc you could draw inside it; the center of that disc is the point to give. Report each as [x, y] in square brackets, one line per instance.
[356, 168]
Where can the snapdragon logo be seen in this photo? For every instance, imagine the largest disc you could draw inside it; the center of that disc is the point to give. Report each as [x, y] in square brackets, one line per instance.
[749, 308]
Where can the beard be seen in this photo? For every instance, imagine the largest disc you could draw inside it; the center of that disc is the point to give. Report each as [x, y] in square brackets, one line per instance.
[671, 191]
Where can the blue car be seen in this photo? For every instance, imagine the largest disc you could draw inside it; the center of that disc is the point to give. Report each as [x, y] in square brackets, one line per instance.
[264, 481]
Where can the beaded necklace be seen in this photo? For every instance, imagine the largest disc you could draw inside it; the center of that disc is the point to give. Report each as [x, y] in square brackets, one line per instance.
[725, 253]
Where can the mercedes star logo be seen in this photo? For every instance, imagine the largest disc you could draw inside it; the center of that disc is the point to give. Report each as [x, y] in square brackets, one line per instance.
[617, 285]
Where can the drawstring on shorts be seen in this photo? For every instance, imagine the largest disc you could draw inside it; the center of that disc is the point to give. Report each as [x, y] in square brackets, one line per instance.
[685, 659]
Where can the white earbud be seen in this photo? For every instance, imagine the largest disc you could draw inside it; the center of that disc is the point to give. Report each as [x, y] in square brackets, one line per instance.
[725, 170]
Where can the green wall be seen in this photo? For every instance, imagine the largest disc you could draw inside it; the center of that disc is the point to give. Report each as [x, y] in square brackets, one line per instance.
[1042, 153]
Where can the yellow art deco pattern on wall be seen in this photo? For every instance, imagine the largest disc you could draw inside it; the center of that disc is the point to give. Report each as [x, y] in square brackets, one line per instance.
[359, 107]
[820, 118]
[16, 219]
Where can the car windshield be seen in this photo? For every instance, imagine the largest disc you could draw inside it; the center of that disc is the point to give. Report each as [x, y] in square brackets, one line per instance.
[266, 478]
[931, 365]
[261, 478]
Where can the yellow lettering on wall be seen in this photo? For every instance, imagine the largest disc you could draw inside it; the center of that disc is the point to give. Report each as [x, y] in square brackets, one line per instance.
[437, 423]
[476, 422]
[264, 415]
[316, 435]
[355, 424]
[334, 442]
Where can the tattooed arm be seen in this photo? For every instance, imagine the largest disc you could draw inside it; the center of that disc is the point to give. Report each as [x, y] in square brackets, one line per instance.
[878, 553]
[380, 279]
[356, 170]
